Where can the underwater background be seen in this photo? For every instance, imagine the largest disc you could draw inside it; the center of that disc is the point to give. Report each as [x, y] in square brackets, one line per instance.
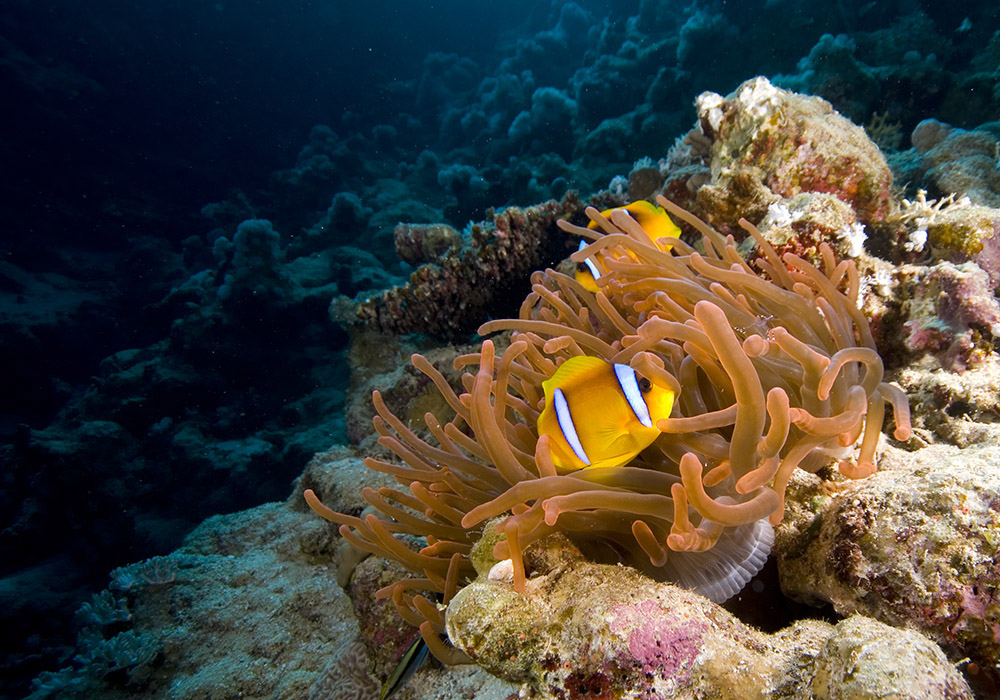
[205, 201]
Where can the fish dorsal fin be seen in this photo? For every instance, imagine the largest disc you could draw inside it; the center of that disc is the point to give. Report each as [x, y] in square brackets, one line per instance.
[574, 372]
[640, 209]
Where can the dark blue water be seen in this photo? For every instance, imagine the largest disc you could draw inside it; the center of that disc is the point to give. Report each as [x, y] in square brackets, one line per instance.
[171, 167]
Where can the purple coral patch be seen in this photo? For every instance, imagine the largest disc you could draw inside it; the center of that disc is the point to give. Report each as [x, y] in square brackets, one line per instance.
[662, 642]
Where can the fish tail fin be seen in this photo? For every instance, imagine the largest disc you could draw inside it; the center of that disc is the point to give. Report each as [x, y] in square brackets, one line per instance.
[722, 571]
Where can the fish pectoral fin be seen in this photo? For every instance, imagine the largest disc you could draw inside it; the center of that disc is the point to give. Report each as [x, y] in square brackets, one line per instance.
[612, 446]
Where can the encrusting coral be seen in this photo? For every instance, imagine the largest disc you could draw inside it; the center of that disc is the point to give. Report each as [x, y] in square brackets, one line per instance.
[769, 143]
[773, 369]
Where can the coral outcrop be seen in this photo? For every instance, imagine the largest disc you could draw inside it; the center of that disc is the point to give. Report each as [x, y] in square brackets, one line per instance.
[450, 297]
[769, 143]
[946, 159]
[249, 607]
[800, 224]
[955, 407]
[951, 313]
[584, 630]
[915, 546]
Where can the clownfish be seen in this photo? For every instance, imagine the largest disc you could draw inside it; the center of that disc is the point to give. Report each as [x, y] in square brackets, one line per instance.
[599, 414]
[654, 221]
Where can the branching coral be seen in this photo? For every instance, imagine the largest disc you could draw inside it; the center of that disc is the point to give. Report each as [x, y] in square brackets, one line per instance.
[775, 370]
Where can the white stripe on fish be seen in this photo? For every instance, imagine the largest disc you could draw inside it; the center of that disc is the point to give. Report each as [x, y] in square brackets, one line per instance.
[567, 427]
[630, 387]
[589, 262]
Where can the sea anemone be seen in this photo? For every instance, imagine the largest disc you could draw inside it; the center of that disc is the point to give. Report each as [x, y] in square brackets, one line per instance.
[775, 368]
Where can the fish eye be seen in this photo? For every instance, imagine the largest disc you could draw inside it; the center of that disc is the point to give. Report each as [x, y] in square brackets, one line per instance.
[645, 385]
[582, 267]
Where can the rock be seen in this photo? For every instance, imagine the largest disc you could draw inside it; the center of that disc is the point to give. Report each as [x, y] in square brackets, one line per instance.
[770, 143]
[915, 545]
[585, 630]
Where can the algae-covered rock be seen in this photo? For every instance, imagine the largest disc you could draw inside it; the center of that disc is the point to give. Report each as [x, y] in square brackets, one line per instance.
[421, 243]
[860, 661]
[947, 311]
[965, 234]
[801, 223]
[248, 608]
[768, 143]
[959, 408]
[585, 630]
[916, 545]
[948, 159]
[952, 228]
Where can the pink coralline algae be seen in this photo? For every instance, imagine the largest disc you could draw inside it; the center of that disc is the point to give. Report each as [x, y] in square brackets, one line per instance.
[661, 642]
[950, 313]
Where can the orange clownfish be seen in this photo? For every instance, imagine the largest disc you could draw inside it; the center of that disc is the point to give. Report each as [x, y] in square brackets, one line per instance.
[599, 414]
[653, 219]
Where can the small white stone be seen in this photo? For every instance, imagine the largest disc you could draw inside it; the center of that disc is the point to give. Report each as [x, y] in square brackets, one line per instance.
[915, 241]
[502, 571]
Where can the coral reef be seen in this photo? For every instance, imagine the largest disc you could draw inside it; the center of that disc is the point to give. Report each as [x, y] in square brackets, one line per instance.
[952, 229]
[939, 299]
[44, 320]
[252, 610]
[800, 224]
[422, 243]
[585, 630]
[222, 374]
[914, 546]
[222, 628]
[380, 362]
[774, 379]
[958, 408]
[185, 413]
[950, 311]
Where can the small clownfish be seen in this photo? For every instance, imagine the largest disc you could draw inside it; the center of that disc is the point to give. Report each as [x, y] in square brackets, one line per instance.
[654, 221]
[599, 414]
